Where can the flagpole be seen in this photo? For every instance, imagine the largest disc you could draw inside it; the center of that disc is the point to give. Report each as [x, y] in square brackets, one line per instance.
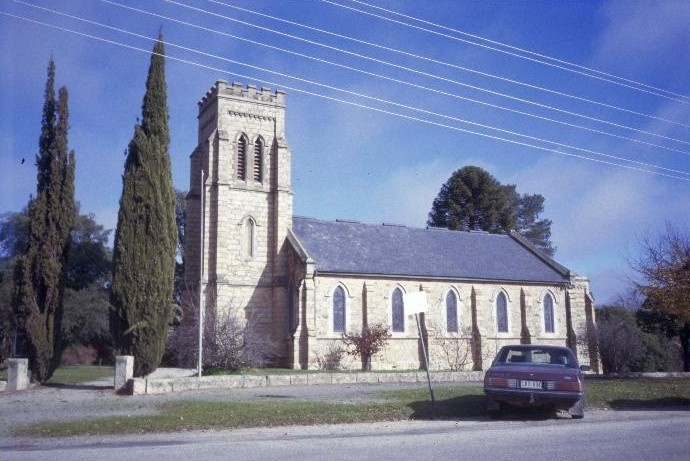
[201, 277]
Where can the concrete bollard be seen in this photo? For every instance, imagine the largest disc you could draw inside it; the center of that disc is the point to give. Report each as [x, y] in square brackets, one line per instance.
[124, 371]
[17, 374]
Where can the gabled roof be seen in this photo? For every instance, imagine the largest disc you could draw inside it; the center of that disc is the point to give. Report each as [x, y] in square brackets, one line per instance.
[347, 247]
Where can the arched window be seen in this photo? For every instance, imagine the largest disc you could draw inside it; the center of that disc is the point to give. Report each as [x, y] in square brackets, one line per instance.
[451, 312]
[258, 159]
[501, 313]
[248, 238]
[549, 324]
[339, 310]
[242, 158]
[398, 311]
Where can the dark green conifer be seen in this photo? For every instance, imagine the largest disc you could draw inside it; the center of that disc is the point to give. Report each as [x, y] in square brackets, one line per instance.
[146, 235]
[40, 274]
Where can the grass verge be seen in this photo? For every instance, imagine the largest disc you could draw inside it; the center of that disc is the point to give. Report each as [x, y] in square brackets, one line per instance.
[76, 374]
[452, 402]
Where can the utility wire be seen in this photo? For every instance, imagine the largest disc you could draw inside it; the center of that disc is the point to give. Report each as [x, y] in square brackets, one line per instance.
[592, 73]
[407, 69]
[391, 79]
[364, 96]
[447, 64]
[654, 169]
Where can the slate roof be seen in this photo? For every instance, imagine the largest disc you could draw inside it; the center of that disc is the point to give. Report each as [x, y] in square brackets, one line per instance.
[346, 247]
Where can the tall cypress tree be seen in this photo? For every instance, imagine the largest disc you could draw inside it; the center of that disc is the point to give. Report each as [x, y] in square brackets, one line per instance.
[40, 274]
[146, 235]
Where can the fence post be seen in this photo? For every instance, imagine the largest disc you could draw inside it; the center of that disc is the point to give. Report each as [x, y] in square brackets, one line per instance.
[124, 371]
[17, 374]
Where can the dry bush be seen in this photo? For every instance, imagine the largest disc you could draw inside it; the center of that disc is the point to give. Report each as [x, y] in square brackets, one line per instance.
[456, 348]
[332, 358]
[230, 341]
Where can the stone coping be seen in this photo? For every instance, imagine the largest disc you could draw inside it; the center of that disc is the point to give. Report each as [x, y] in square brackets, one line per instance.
[142, 386]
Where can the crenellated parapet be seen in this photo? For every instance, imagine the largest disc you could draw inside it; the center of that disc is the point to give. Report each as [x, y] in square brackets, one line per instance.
[237, 90]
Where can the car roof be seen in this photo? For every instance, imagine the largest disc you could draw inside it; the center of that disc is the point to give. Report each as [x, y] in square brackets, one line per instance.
[536, 346]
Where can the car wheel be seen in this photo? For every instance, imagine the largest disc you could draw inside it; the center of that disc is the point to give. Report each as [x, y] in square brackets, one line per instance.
[577, 411]
[494, 409]
[495, 414]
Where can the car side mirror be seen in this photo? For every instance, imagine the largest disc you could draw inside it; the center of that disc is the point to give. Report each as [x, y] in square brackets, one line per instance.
[585, 368]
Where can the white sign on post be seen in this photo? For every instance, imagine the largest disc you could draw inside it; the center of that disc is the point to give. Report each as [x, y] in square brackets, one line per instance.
[415, 303]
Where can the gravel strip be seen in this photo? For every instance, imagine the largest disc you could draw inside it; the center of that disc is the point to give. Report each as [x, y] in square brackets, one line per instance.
[97, 399]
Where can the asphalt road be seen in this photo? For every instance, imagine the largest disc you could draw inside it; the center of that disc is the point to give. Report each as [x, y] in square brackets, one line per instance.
[602, 435]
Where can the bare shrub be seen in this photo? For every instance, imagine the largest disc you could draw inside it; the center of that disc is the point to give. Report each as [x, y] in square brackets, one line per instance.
[367, 343]
[331, 359]
[230, 341]
[456, 348]
[620, 342]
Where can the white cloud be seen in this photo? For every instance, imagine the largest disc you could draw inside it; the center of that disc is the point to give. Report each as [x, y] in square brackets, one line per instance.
[639, 34]
[599, 213]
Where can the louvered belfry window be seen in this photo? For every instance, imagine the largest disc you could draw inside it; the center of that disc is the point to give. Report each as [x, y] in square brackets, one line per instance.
[258, 160]
[242, 158]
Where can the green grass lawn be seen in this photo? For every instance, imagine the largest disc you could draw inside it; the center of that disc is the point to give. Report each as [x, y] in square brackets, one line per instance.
[80, 374]
[452, 402]
[74, 374]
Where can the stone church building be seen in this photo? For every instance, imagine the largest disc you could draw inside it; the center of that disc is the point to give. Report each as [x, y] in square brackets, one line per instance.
[302, 282]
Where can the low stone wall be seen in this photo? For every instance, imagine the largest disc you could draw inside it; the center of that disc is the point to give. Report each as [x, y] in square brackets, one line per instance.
[140, 386]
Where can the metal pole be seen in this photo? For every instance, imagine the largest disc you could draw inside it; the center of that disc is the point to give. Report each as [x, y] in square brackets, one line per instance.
[426, 361]
[201, 275]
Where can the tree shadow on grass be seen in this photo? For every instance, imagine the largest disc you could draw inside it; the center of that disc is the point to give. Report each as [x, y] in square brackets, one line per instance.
[79, 387]
[473, 408]
[660, 404]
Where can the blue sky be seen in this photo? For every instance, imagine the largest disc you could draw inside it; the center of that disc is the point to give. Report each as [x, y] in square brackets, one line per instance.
[388, 164]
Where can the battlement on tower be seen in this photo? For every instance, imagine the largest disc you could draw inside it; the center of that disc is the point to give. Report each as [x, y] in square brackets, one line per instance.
[237, 90]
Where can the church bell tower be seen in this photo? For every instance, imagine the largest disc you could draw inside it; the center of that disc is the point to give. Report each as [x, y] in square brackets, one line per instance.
[239, 208]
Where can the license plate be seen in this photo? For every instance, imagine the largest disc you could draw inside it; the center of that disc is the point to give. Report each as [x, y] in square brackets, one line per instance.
[524, 384]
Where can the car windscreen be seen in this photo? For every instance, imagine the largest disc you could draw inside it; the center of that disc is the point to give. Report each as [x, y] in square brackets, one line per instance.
[536, 356]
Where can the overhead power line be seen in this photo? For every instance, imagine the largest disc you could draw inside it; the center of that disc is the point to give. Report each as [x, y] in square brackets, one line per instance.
[391, 79]
[446, 64]
[414, 71]
[375, 99]
[646, 168]
[527, 55]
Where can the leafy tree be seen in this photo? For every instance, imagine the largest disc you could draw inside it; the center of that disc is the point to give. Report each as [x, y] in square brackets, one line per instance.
[537, 231]
[41, 272]
[85, 320]
[664, 266]
[14, 233]
[472, 199]
[85, 312]
[368, 343]
[7, 324]
[621, 342]
[89, 261]
[146, 235]
[180, 219]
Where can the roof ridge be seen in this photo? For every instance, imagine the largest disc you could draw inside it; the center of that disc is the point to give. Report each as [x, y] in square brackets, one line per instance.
[522, 240]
